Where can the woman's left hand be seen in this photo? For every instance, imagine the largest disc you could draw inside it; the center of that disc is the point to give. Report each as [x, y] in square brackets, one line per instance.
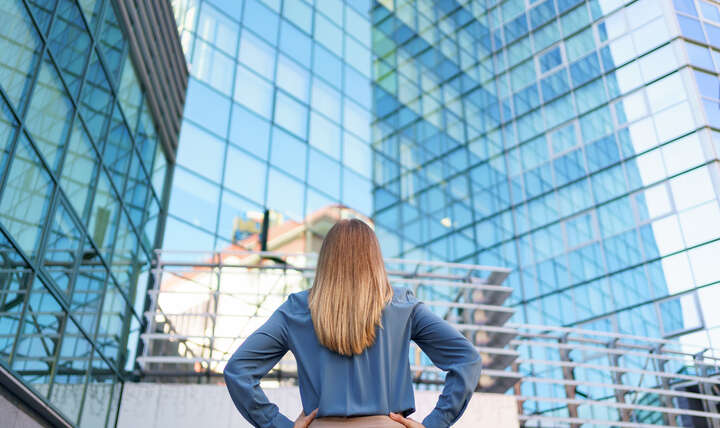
[409, 423]
[303, 421]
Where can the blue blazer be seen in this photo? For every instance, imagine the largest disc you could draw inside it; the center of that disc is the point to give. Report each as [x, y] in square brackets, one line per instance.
[377, 381]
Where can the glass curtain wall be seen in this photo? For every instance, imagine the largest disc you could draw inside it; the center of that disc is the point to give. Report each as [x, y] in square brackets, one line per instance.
[81, 180]
[277, 116]
[573, 141]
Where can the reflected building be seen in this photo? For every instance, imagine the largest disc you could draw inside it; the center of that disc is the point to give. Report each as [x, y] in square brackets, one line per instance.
[90, 108]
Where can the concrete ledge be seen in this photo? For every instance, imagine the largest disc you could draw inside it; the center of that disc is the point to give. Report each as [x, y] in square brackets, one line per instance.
[149, 405]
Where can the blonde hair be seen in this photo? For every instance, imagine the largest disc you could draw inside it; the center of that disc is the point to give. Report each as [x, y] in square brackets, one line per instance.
[350, 289]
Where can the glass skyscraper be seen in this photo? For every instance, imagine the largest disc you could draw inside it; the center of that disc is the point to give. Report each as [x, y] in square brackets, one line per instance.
[86, 147]
[573, 141]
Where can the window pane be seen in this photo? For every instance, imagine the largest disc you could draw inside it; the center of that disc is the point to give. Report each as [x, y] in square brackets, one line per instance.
[49, 114]
[96, 101]
[130, 95]
[291, 115]
[200, 151]
[26, 197]
[253, 92]
[19, 50]
[288, 153]
[238, 167]
[79, 169]
[69, 42]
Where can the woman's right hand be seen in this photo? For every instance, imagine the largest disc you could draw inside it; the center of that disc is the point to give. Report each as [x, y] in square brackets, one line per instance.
[409, 423]
[303, 421]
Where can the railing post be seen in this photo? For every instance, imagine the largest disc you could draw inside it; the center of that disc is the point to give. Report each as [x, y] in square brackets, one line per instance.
[625, 414]
[568, 374]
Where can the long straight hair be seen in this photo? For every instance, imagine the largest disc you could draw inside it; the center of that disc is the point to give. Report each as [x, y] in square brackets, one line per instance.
[350, 289]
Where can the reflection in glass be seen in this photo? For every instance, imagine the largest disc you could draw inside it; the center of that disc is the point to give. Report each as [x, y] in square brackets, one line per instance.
[26, 197]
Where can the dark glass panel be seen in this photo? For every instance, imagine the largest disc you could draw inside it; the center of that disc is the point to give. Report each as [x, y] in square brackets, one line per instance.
[111, 42]
[96, 101]
[19, 50]
[42, 10]
[69, 43]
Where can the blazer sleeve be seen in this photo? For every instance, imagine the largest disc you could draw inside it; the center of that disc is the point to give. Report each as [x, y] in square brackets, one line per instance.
[251, 361]
[450, 351]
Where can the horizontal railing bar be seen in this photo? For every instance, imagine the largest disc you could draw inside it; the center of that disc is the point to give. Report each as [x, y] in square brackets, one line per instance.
[621, 387]
[620, 369]
[613, 404]
[531, 418]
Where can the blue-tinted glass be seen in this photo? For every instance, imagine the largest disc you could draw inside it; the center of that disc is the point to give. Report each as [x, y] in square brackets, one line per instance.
[112, 43]
[327, 66]
[602, 153]
[253, 92]
[42, 10]
[686, 6]
[691, 28]
[709, 11]
[291, 115]
[295, 43]
[585, 69]
[216, 28]
[61, 248]
[136, 191]
[39, 339]
[116, 155]
[194, 199]
[288, 153]
[49, 114]
[280, 186]
[79, 169]
[69, 42]
[238, 166]
[233, 209]
[550, 60]
[713, 34]
[555, 85]
[92, 10]
[249, 131]
[96, 101]
[324, 173]
[293, 78]
[261, 20]
[257, 54]
[199, 96]
[26, 197]
[201, 151]
[542, 13]
[8, 130]
[708, 84]
[20, 49]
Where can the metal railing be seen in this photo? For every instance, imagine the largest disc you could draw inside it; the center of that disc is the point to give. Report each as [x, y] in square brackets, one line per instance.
[201, 308]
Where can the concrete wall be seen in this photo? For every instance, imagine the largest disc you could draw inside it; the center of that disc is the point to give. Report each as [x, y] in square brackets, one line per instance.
[149, 405]
[15, 415]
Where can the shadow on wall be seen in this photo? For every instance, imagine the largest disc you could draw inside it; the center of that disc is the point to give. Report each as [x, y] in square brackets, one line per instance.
[150, 405]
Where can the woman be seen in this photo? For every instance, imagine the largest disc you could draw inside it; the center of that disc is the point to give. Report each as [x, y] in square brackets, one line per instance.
[350, 334]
